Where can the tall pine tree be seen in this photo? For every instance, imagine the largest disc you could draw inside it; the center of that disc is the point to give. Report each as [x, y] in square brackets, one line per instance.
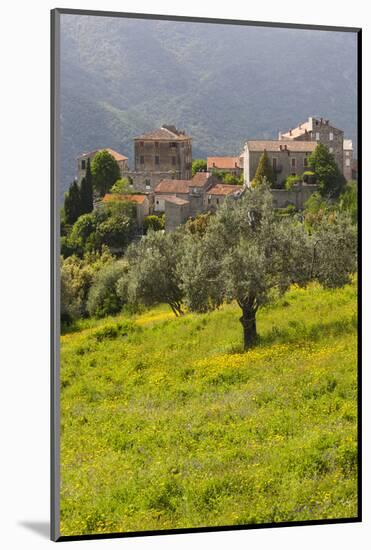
[88, 192]
[72, 203]
[264, 171]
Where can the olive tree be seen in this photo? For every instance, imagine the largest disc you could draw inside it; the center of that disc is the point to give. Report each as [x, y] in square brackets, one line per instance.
[250, 254]
[152, 275]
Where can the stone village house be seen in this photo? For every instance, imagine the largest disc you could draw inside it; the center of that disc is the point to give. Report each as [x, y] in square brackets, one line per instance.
[162, 175]
[82, 159]
[230, 165]
[164, 153]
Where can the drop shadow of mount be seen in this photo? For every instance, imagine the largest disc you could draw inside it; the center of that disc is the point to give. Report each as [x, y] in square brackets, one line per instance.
[41, 528]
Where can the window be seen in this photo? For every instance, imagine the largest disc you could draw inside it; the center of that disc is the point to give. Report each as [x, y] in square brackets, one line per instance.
[293, 163]
[331, 136]
[157, 202]
[347, 153]
[209, 199]
[173, 161]
[157, 159]
[156, 144]
[141, 143]
[317, 136]
[172, 144]
[331, 149]
[347, 162]
[293, 173]
[148, 184]
[141, 159]
[83, 165]
[305, 162]
[274, 163]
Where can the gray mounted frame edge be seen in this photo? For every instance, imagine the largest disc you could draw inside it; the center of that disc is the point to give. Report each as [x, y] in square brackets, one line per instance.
[55, 277]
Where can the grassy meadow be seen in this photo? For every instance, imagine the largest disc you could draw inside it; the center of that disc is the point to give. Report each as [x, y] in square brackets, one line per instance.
[167, 423]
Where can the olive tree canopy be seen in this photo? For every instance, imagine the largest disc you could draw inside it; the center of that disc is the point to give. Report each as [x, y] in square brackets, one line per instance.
[250, 254]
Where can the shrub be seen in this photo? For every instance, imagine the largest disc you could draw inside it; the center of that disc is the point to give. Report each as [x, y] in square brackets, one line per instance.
[77, 276]
[291, 181]
[103, 298]
[156, 223]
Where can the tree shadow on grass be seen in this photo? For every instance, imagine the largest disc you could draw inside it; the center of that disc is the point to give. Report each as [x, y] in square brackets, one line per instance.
[297, 331]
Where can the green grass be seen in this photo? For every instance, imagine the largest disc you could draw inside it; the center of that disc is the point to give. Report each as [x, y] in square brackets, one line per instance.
[166, 423]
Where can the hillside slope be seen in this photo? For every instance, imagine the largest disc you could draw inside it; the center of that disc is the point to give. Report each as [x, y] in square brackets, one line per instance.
[223, 84]
[165, 423]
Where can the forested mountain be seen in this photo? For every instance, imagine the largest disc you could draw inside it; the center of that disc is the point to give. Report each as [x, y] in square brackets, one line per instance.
[222, 84]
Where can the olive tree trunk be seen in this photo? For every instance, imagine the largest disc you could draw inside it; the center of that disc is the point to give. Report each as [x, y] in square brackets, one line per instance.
[248, 322]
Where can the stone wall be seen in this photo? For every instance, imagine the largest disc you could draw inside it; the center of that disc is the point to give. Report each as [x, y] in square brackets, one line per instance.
[175, 215]
[145, 181]
[297, 196]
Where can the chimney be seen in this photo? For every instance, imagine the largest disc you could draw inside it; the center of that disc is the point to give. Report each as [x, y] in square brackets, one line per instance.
[290, 132]
[321, 120]
[285, 146]
[213, 164]
[280, 147]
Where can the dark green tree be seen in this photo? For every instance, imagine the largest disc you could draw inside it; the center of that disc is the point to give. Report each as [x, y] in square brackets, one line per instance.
[105, 171]
[72, 203]
[199, 165]
[86, 191]
[328, 176]
[264, 172]
[156, 223]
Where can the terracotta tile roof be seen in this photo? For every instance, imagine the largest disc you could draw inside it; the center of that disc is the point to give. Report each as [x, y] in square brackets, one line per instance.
[276, 145]
[200, 178]
[223, 162]
[117, 156]
[168, 133]
[298, 131]
[173, 186]
[177, 201]
[115, 197]
[224, 189]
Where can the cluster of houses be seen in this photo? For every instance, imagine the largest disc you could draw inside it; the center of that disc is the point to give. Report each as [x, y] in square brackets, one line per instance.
[162, 180]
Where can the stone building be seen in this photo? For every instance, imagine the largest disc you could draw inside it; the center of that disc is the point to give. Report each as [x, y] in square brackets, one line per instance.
[231, 165]
[177, 212]
[193, 190]
[165, 153]
[82, 159]
[348, 159]
[318, 130]
[287, 158]
[219, 192]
